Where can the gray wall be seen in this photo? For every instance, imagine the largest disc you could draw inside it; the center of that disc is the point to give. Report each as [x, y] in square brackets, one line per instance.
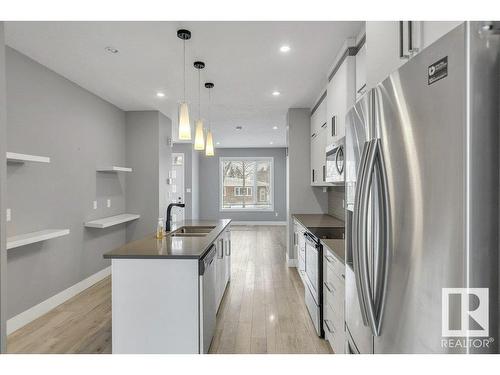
[303, 198]
[209, 185]
[50, 115]
[150, 158]
[3, 185]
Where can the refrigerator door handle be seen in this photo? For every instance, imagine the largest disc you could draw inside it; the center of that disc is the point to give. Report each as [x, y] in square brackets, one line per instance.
[383, 251]
[363, 258]
[356, 231]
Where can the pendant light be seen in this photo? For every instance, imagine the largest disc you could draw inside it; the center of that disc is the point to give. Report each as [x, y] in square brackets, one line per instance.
[199, 138]
[209, 149]
[184, 125]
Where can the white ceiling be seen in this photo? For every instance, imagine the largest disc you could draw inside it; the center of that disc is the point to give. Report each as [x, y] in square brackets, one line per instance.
[242, 59]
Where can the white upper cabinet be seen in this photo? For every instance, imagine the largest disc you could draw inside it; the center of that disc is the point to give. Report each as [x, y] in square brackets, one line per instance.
[389, 44]
[361, 71]
[433, 30]
[318, 144]
[383, 54]
[340, 97]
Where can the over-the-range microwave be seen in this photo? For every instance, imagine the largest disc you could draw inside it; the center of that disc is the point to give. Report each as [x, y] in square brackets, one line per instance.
[335, 162]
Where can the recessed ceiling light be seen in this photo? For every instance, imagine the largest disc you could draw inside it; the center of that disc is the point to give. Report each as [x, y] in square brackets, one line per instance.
[285, 48]
[275, 128]
[276, 93]
[239, 127]
[111, 49]
[160, 94]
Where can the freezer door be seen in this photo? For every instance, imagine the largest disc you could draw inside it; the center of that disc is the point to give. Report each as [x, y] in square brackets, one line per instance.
[421, 125]
[358, 130]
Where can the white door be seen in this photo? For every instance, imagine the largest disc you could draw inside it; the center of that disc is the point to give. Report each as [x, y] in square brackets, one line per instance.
[177, 186]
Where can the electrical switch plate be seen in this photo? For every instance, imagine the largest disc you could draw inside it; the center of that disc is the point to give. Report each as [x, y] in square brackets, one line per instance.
[276, 214]
[94, 205]
[108, 203]
[9, 217]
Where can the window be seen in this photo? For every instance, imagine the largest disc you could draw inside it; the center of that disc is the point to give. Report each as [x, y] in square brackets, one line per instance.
[246, 184]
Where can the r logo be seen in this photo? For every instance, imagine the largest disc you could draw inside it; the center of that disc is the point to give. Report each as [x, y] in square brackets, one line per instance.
[465, 312]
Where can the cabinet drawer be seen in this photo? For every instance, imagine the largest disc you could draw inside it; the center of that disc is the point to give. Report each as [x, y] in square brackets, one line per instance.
[334, 264]
[334, 335]
[333, 304]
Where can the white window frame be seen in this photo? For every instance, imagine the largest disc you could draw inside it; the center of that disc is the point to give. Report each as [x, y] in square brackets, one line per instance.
[222, 159]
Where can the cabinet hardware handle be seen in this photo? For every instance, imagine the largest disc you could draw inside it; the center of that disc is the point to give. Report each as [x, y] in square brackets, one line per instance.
[313, 135]
[362, 89]
[327, 286]
[322, 126]
[334, 126]
[313, 174]
[324, 179]
[330, 259]
[327, 323]
[228, 247]
[401, 41]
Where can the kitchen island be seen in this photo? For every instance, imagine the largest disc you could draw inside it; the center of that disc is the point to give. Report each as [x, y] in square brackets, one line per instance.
[165, 293]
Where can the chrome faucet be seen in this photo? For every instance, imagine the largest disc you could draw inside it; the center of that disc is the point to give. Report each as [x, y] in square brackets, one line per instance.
[169, 215]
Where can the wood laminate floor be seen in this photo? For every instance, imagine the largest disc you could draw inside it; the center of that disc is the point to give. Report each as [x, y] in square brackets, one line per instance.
[263, 309]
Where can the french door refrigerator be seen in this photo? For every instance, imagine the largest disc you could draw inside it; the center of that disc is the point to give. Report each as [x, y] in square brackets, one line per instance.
[422, 194]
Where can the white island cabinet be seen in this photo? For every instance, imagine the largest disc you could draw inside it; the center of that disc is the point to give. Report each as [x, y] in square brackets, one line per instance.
[159, 293]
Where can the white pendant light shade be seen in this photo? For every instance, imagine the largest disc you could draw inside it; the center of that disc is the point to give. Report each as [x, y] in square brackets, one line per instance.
[209, 149]
[199, 137]
[184, 125]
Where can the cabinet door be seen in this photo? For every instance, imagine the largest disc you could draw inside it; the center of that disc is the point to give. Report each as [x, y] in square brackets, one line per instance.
[315, 173]
[227, 258]
[220, 270]
[361, 72]
[433, 30]
[383, 55]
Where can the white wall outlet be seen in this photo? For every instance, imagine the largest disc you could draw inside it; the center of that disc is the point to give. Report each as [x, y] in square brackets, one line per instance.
[108, 203]
[9, 216]
[94, 205]
[188, 190]
[276, 214]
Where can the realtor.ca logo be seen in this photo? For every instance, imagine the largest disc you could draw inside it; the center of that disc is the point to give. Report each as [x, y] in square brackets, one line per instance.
[465, 318]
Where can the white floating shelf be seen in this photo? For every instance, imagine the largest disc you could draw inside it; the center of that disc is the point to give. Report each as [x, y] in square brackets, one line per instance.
[29, 238]
[114, 169]
[106, 222]
[13, 157]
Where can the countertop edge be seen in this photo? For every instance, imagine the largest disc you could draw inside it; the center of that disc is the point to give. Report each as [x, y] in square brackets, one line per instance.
[341, 259]
[225, 223]
[311, 226]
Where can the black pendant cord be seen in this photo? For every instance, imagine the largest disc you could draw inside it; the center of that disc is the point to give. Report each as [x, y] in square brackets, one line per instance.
[184, 47]
[199, 94]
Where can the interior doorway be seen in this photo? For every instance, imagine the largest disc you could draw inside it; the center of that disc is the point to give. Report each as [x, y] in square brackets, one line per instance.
[177, 193]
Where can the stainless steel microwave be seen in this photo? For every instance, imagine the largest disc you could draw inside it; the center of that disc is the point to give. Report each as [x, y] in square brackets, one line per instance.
[335, 162]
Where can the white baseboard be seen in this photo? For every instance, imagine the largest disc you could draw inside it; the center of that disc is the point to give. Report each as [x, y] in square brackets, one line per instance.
[44, 307]
[258, 222]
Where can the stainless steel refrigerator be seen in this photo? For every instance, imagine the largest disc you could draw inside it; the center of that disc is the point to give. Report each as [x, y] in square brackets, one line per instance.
[422, 193]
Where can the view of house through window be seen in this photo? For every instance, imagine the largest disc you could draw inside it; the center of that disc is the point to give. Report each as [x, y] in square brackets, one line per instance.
[246, 183]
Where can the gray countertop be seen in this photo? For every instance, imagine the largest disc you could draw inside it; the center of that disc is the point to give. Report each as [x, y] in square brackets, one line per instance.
[336, 247]
[171, 247]
[319, 221]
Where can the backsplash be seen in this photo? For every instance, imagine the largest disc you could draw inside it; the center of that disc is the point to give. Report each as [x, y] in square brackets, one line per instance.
[336, 196]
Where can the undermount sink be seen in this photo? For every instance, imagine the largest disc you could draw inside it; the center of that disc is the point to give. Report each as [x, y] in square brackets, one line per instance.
[198, 231]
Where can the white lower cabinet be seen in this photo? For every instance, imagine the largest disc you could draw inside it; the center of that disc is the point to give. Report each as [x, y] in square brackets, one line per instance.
[222, 265]
[333, 300]
[300, 247]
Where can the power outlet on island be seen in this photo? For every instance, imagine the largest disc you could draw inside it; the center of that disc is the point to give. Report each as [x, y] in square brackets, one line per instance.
[94, 205]
[108, 203]
[9, 215]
